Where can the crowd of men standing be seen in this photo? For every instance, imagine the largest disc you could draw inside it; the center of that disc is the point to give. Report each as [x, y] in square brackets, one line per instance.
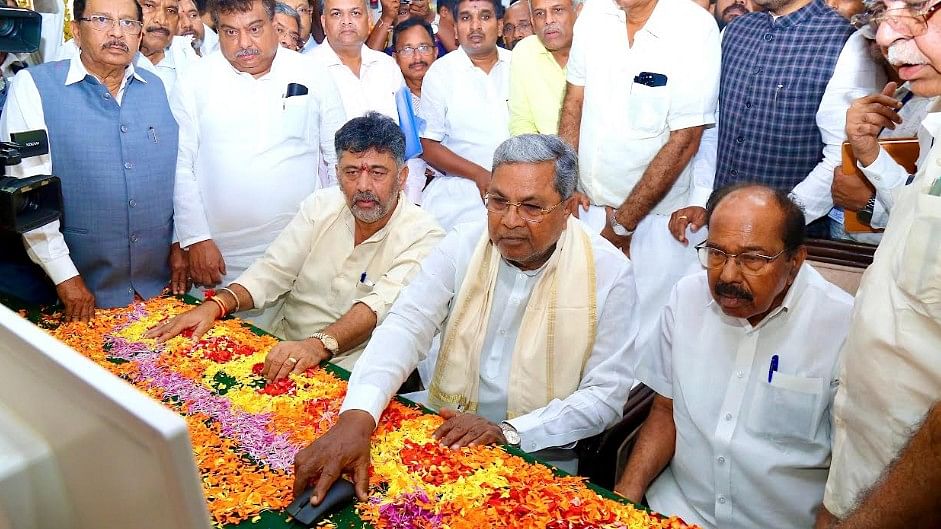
[607, 191]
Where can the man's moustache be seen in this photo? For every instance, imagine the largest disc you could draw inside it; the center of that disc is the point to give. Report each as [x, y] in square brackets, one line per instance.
[249, 52]
[906, 52]
[116, 44]
[419, 64]
[364, 196]
[729, 290]
[158, 29]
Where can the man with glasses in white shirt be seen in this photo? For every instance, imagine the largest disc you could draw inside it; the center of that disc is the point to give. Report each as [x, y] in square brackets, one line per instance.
[496, 293]
[745, 368]
[464, 105]
[254, 120]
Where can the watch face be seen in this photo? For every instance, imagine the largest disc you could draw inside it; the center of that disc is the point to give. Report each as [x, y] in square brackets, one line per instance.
[512, 437]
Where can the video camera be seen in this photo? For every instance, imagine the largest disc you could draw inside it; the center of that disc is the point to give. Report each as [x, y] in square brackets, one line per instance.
[25, 203]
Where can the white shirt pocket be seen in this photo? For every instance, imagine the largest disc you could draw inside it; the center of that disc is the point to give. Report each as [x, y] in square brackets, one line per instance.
[789, 408]
[295, 116]
[919, 273]
[649, 107]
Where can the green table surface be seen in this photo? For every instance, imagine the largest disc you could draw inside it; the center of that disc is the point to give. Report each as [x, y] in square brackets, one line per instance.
[347, 517]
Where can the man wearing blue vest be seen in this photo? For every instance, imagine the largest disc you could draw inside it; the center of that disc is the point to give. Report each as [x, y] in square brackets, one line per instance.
[789, 72]
[113, 142]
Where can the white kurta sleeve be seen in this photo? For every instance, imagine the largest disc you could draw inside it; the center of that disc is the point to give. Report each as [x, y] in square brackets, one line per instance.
[332, 116]
[855, 75]
[189, 215]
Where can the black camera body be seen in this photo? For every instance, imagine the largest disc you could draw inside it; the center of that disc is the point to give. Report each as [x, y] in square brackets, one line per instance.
[27, 203]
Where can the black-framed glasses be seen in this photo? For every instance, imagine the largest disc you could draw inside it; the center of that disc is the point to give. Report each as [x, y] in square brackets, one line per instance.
[103, 23]
[528, 212]
[905, 21]
[748, 262]
[421, 49]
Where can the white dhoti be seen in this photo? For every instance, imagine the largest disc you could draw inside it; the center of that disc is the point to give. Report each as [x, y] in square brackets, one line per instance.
[453, 200]
[659, 261]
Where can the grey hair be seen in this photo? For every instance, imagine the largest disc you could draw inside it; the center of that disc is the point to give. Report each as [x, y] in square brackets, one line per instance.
[371, 131]
[285, 9]
[538, 148]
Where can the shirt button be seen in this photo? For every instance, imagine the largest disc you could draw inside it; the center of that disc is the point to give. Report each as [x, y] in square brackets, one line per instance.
[106, 95]
[757, 69]
[733, 172]
[132, 203]
[740, 139]
[134, 238]
[769, 37]
[128, 165]
[938, 161]
[748, 104]
[502, 331]
[722, 500]
[728, 416]
[130, 291]
[721, 460]
[123, 128]
[740, 374]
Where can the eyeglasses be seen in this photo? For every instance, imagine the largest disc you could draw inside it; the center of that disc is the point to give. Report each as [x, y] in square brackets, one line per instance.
[748, 262]
[528, 212]
[905, 21]
[103, 23]
[422, 49]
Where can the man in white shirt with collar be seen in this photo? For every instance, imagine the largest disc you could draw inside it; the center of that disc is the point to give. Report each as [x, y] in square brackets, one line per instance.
[537, 327]
[254, 120]
[643, 79]
[305, 10]
[464, 104]
[114, 239]
[367, 79]
[745, 369]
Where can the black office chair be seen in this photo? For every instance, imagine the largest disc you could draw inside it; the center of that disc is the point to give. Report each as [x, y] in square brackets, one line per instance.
[600, 457]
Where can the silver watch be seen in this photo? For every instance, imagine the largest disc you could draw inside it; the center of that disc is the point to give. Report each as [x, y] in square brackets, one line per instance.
[510, 434]
[329, 343]
[616, 226]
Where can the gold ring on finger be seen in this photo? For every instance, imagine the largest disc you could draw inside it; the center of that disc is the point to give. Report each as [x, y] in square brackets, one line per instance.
[682, 217]
[292, 360]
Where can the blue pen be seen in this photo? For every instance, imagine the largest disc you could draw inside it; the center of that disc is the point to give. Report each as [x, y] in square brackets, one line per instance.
[773, 367]
[363, 280]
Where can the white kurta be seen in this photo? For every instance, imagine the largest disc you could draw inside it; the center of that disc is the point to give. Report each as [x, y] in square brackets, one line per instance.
[249, 155]
[892, 360]
[422, 310]
[749, 452]
[466, 110]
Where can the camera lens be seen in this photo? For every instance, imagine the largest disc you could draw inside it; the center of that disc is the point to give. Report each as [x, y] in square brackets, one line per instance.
[8, 27]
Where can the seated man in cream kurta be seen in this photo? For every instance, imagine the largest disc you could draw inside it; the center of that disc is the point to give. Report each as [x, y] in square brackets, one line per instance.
[537, 324]
[342, 260]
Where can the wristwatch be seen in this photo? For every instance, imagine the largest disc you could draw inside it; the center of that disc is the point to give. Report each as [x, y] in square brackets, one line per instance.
[616, 227]
[510, 434]
[865, 214]
[329, 343]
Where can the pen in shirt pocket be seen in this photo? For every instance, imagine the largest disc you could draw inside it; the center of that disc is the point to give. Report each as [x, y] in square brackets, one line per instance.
[773, 368]
[153, 134]
[364, 280]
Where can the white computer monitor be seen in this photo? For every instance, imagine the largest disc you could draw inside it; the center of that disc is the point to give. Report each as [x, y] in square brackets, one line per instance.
[80, 448]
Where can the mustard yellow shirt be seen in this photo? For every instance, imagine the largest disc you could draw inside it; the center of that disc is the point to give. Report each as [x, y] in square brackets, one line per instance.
[537, 85]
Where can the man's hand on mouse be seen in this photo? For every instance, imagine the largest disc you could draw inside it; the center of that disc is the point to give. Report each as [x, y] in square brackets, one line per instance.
[344, 448]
